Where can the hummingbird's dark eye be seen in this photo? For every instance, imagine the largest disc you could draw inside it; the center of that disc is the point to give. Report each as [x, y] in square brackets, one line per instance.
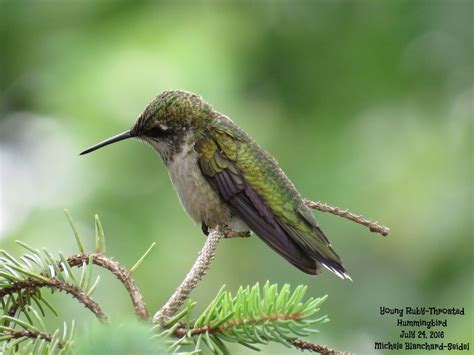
[157, 132]
[154, 132]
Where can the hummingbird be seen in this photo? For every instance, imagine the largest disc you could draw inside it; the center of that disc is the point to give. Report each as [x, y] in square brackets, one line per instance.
[223, 178]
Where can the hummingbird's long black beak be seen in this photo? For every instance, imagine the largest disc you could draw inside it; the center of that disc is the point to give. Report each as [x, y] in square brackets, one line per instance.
[114, 139]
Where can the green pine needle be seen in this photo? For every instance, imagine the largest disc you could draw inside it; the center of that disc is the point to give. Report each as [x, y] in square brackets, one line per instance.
[142, 259]
[79, 243]
[99, 236]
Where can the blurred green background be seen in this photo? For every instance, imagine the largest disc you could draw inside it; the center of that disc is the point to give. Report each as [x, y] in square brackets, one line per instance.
[366, 105]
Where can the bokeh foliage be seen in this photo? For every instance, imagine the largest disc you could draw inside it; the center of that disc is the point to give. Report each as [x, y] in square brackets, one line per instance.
[365, 104]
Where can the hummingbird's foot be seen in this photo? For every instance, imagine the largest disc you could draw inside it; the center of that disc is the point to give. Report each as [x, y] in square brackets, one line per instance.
[205, 228]
[230, 233]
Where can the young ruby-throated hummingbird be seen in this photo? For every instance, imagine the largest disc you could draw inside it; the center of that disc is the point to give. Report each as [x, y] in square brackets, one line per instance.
[223, 178]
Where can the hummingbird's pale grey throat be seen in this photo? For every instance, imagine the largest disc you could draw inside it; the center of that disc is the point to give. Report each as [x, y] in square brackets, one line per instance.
[224, 178]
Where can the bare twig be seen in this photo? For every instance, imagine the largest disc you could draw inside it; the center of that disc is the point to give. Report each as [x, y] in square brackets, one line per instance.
[59, 285]
[199, 269]
[372, 225]
[316, 348]
[121, 273]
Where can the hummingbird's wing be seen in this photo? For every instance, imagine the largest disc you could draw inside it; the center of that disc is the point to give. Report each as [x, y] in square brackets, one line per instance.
[256, 189]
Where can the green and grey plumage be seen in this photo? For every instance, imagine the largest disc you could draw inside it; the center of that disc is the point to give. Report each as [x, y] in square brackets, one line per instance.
[224, 178]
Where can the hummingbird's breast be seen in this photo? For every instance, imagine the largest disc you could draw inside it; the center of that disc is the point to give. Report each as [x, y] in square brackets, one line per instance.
[195, 193]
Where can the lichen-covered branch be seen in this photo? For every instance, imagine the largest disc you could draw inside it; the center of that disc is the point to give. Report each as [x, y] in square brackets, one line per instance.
[120, 272]
[59, 285]
[199, 269]
[372, 225]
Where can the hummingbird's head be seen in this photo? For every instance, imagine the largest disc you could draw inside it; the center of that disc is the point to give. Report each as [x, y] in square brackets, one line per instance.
[170, 113]
[167, 122]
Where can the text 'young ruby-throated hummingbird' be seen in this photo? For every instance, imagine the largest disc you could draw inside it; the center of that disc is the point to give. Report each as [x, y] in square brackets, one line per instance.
[223, 178]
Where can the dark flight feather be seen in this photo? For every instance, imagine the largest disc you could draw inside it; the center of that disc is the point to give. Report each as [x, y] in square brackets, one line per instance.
[254, 212]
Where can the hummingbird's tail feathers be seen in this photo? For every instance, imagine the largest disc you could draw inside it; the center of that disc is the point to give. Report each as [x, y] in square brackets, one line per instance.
[342, 275]
[333, 263]
[317, 246]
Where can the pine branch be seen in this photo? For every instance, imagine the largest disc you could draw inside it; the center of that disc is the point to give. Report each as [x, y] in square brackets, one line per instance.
[98, 258]
[56, 284]
[372, 225]
[21, 280]
[24, 277]
[34, 339]
[120, 272]
[251, 317]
